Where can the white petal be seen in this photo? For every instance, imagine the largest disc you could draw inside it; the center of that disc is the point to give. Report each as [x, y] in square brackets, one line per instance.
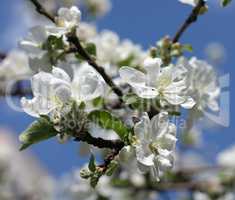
[190, 2]
[41, 84]
[163, 163]
[60, 74]
[174, 99]
[143, 168]
[159, 124]
[189, 103]
[88, 86]
[61, 90]
[213, 105]
[37, 106]
[40, 62]
[167, 142]
[142, 128]
[145, 158]
[152, 66]
[146, 92]
[38, 34]
[132, 76]
[31, 47]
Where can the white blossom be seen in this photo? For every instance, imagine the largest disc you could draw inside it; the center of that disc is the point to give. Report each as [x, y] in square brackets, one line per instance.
[155, 143]
[33, 46]
[14, 65]
[128, 50]
[68, 17]
[190, 2]
[106, 43]
[52, 90]
[99, 7]
[215, 52]
[168, 83]
[86, 31]
[227, 157]
[202, 83]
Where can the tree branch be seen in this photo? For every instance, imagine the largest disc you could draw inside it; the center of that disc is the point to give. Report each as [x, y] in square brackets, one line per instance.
[40, 9]
[191, 19]
[100, 142]
[75, 41]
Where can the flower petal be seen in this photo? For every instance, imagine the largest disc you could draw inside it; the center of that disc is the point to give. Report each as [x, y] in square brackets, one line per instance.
[36, 106]
[132, 76]
[142, 128]
[146, 92]
[159, 124]
[189, 103]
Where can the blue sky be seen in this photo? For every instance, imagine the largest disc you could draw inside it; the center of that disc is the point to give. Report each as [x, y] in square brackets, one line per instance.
[144, 22]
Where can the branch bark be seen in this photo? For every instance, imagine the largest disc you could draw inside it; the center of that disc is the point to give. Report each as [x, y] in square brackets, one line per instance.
[100, 142]
[40, 9]
[190, 20]
[75, 41]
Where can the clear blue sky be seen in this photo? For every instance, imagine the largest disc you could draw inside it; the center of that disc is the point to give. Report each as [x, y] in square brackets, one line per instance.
[144, 22]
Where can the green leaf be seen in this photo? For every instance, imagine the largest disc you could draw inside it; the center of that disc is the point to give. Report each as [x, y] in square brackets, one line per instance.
[94, 180]
[225, 3]
[92, 166]
[126, 62]
[107, 121]
[39, 130]
[187, 47]
[111, 168]
[53, 43]
[130, 98]
[91, 48]
[99, 101]
[82, 105]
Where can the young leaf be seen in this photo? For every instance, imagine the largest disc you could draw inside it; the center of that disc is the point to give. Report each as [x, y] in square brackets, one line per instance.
[94, 180]
[187, 47]
[111, 168]
[39, 130]
[92, 166]
[225, 3]
[107, 121]
[91, 48]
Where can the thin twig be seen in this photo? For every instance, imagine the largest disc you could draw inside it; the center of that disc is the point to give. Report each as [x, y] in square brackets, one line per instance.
[191, 19]
[40, 9]
[100, 142]
[75, 41]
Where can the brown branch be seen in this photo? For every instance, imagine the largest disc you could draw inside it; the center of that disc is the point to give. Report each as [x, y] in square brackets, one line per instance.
[116, 145]
[190, 20]
[107, 161]
[40, 9]
[75, 41]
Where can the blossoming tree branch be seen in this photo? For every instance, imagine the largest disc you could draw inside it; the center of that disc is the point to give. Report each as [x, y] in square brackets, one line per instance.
[111, 95]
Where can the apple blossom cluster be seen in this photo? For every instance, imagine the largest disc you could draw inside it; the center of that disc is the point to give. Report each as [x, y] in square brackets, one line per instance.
[122, 103]
[74, 99]
[108, 93]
